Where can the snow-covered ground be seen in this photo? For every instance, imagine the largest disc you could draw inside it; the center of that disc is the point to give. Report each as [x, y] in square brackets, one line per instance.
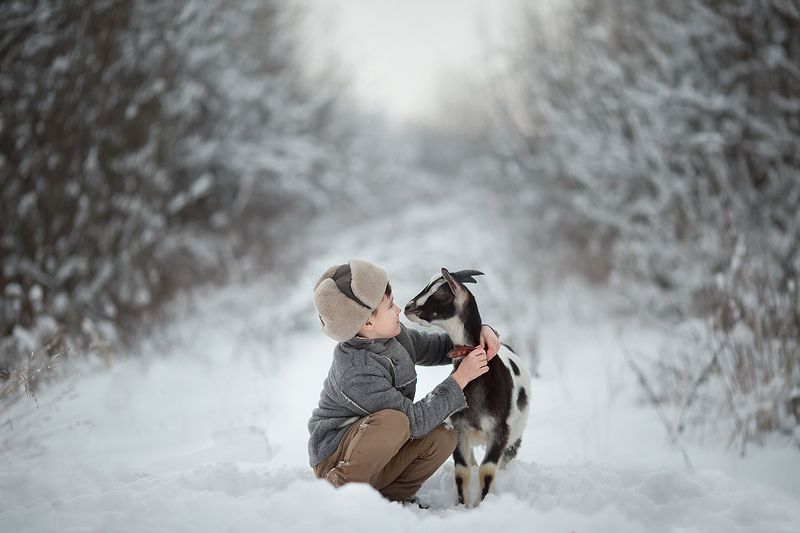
[204, 427]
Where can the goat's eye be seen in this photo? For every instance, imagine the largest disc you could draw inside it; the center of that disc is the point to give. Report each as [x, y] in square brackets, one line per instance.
[440, 290]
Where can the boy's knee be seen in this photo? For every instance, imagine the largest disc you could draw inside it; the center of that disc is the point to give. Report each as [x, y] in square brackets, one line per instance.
[393, 421]
[449, 438]
[444, 440]
[452, 439]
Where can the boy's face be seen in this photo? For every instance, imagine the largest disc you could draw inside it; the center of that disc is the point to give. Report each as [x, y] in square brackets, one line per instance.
[384, 322]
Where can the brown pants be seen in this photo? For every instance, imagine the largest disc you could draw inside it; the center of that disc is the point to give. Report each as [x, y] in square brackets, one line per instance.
[377, 450]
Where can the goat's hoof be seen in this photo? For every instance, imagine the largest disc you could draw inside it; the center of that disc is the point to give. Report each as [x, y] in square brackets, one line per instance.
[466, 503]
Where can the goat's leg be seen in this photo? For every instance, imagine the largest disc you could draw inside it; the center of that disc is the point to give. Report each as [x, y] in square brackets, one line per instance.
[509, 453]
[498, 442]
[463, 459]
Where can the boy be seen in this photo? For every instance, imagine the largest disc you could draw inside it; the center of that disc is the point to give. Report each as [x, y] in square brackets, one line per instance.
[367, 427]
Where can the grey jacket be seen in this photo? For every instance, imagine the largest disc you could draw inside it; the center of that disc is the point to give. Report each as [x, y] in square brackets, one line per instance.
[367, 376]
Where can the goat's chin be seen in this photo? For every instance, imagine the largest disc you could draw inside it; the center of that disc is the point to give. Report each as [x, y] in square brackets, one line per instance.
[416, 319]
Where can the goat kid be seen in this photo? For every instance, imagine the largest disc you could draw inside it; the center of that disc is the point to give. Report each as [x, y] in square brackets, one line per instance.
[497, 400]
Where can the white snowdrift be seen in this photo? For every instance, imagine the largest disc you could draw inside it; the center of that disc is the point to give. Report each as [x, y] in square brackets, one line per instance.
[204, 427]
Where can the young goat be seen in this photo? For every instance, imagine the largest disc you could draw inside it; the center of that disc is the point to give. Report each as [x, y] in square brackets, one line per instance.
[497, 400]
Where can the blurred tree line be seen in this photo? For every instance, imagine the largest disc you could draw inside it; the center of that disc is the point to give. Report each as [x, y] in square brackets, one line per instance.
[145, 147]
[662, 141]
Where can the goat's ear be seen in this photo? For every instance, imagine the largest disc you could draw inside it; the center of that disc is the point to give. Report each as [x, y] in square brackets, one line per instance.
[465, 276]
[455, 285]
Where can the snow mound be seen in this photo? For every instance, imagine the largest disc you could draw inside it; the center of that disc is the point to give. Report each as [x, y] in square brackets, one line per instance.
[241, 497]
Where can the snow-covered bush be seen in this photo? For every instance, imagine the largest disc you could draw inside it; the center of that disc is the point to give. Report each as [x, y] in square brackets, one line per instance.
[660, 140]
[146, 146]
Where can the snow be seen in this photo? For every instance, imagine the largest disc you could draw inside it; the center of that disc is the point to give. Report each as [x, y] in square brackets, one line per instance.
[202, 427]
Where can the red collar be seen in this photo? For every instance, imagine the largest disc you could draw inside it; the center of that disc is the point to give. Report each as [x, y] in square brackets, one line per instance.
[460, 350]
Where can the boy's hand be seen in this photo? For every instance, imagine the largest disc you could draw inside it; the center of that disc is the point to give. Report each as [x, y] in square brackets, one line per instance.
[472, 366]
[489, 342]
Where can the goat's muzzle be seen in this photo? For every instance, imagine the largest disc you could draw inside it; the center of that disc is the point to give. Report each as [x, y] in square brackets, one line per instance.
[412, 312]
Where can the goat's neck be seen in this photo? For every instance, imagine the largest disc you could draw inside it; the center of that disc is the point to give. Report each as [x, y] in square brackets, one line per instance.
[465, 327]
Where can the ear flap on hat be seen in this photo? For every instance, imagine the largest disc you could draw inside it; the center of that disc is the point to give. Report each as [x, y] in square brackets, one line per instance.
[341, 317]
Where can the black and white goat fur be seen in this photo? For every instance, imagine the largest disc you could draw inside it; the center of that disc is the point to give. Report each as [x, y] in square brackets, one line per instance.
[497, 400]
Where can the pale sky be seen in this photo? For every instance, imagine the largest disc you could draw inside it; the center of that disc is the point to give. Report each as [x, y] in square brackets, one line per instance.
[397, 52]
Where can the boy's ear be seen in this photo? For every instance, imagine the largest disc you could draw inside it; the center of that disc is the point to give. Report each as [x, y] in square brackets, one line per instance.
[368, 325]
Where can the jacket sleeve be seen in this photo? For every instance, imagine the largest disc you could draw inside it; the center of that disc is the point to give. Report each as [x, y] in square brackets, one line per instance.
[430, 349]
[370, 390]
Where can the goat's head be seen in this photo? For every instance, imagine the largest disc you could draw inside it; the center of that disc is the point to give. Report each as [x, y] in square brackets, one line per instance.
[444, 298]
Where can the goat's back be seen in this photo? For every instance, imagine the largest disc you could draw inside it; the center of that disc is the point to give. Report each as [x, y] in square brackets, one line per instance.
[498, 396]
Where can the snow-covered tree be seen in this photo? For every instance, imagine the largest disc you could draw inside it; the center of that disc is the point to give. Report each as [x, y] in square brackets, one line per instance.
[661, 140]
[144, 146]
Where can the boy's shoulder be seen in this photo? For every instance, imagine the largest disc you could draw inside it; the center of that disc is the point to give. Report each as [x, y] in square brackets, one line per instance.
[347, 356]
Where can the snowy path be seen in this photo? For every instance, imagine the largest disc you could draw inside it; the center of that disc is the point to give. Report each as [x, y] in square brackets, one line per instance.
[205, 430]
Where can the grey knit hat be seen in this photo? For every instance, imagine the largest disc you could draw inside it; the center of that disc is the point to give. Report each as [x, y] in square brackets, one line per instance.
[346, 295]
